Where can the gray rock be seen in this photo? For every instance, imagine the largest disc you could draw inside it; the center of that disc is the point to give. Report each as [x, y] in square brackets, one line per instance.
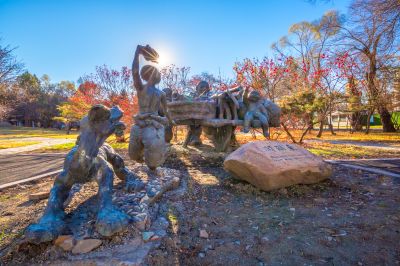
[66, 242]
[86, 245]
[271, 165]
[147, 235]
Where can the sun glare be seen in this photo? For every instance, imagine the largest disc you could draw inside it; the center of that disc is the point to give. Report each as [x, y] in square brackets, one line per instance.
[165, 57]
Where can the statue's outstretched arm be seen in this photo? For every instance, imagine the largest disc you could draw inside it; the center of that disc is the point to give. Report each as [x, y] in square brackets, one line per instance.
[263, 110]
[137, 81]
[245, 97]
[236, 89]
[234, 100]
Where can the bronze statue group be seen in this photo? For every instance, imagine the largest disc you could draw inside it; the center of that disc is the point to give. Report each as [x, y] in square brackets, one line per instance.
[92, 158]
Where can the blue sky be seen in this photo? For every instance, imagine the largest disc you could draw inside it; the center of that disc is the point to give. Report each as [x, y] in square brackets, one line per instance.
[66, 39]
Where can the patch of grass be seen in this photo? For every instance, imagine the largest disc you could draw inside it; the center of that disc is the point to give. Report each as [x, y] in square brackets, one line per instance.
[4, 236]
[64, 147]
[279, 134]
[15, 144]
[59, 147]
[4, 198]
[120, 145]
[346, 151]
[173, 219]
[27, 132]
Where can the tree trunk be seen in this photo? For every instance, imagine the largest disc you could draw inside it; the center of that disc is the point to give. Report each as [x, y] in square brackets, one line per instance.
[368, 122]
[304, 133]
[310, 125]
[355, 121]
[321, 129]
[286, 129]
[331, 129]
[386, 119]
[68, 128]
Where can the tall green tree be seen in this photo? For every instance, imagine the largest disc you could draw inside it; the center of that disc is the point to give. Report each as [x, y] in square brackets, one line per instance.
[372, 33]
[310, 58]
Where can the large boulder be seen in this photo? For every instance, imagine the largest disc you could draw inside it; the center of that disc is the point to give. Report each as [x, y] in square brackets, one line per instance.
[270, 165]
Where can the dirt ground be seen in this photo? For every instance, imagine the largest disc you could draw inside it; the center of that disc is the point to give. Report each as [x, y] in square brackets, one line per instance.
[351, 219]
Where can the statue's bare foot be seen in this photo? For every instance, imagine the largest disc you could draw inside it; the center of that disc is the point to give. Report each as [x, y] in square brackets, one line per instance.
[110, 220]
[266, 133]
[49, 227]
[133, 183]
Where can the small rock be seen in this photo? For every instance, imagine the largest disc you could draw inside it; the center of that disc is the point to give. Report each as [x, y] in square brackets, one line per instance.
[141, 221]
[320, 200]
[151, 192]
[155, 238]
[283, 191]
[202, 255]
[237, 242]
[265, 239]
[147, 236]
[162, 222]
[86, 245]
[203, 233]
[39, 195]
[145, 200]
[66, 242]
[208, 247]
[341, 233]
[161, 232]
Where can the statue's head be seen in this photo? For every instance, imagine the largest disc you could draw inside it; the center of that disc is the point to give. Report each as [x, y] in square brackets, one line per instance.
[103, 121]
[254, 96]
[168, 93]
[150, 74]
[203, 87]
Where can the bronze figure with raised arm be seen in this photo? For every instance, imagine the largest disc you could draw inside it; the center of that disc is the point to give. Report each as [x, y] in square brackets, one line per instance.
[147, 140]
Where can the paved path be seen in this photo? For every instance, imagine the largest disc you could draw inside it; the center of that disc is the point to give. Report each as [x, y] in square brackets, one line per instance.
[45, 142]
[15, 167]
[19, 166]
[389, 166]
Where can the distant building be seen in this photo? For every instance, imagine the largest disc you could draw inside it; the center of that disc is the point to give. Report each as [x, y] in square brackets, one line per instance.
[340, 119]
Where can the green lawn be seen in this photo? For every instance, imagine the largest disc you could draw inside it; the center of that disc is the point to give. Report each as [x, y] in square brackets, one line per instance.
[347, 151]
[28, 132]
[9, 138]
[6, 144]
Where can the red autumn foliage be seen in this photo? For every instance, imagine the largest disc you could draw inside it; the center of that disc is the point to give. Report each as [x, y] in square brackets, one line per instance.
[107, 86]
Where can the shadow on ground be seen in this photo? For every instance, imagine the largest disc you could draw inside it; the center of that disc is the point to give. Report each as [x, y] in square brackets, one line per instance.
[326, 223]
[353, 218]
